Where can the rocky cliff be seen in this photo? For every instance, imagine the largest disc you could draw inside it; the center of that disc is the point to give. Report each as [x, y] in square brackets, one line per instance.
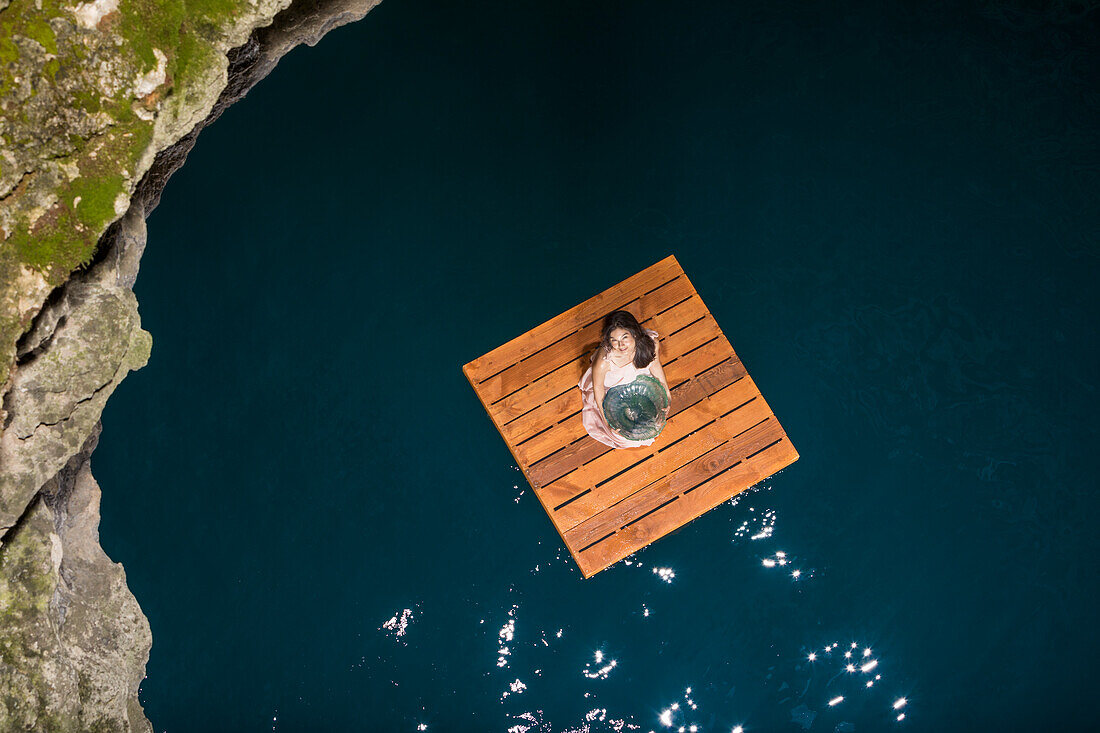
[100, 102]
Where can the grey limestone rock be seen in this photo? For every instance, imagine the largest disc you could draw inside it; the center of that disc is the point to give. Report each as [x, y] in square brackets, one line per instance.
[73, 641]
[83, 345]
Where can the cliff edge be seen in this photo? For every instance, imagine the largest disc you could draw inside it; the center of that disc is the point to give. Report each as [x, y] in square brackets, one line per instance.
[100, 102]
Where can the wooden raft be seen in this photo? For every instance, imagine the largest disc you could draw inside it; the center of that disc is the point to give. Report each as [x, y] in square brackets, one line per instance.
[721, 436]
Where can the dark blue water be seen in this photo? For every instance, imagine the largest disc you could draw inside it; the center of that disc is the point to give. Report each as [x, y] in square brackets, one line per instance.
[891, 211]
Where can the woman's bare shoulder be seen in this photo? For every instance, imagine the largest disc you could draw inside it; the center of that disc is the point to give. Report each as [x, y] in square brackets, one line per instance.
[598, 361]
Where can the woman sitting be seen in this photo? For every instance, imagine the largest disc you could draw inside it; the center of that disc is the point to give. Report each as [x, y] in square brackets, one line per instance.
[625, 394]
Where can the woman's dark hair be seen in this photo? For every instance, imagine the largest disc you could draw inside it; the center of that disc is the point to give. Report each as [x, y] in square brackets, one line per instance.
[644, 350]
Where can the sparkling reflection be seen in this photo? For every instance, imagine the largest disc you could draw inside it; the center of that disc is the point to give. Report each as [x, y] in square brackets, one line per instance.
[398, 624]
[759, 523]
[836, 677]
[827, 680]
[514, 688]
[793, 565]
[676, 715]
[665, 574]
[602, 672]
[505, 636]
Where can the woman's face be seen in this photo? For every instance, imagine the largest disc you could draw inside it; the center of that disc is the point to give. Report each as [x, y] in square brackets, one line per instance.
[622, 341]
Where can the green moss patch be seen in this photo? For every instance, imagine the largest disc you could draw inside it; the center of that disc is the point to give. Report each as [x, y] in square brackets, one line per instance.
[65, 237]
[183, 31]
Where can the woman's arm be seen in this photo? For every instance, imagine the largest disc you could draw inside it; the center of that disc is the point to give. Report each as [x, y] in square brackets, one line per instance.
[599, 369]
[657, 369]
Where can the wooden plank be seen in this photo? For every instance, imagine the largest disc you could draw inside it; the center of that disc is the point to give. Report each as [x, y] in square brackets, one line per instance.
[585, 477]
[550, 438]
[680, 424]
[552, 434]
[544, 389]
[705, 347]
[699, 359]
[679, 316]
[702, 468]
[562, 407]
[562, 379]
[684, 396]
[572, 320]
[565, 405]
[664, 462]
[566, 349]
[639, 476]
[685, 508]
[689, 339]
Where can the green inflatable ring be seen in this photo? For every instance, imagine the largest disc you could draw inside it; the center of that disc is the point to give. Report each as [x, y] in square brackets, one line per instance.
[637, 410]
